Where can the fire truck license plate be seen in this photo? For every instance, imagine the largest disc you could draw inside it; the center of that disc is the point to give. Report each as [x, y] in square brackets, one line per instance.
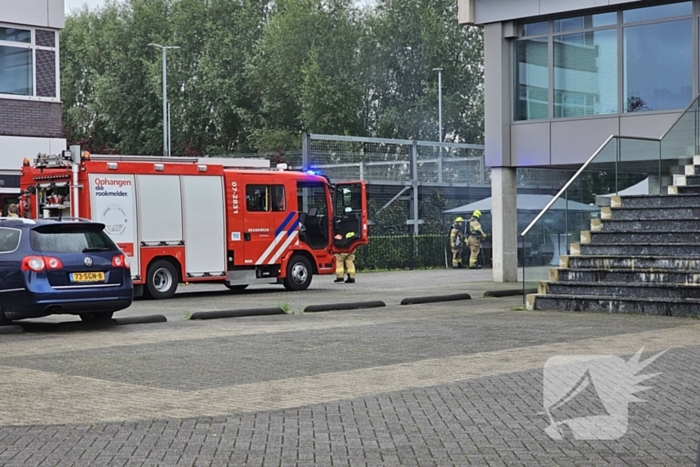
[87, 277]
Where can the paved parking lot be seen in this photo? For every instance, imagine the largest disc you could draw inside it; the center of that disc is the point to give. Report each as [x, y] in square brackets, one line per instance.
[452, 383]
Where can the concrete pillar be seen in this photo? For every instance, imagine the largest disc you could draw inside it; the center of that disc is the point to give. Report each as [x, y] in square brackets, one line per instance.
[504, 214]
[497, 113]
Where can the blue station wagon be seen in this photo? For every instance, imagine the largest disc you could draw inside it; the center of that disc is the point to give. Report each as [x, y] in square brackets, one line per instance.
[52, 266]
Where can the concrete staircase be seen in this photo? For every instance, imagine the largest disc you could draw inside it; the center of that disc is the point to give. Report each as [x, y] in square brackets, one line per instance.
[641, 256]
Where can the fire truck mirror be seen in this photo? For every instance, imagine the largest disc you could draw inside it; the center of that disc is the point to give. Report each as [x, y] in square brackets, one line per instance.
[31, 189]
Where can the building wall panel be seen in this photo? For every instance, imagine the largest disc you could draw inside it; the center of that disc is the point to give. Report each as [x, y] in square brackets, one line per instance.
[43, 13]
[491, 11]
[575, 141]
[530, 144]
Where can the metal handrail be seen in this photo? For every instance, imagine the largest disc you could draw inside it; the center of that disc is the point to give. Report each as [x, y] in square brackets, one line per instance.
[575, 176]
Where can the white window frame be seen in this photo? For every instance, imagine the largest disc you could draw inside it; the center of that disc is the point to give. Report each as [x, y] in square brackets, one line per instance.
[32, 45]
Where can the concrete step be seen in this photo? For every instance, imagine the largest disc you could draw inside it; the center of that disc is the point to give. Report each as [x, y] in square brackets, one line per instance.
[621, 289]
[682, 250]
[656, 201]
[686, 180]
[623, 213]
[625, 276]
[669, 225]
[676, 190]
[609, 304]
[641, 236]
[631, 262]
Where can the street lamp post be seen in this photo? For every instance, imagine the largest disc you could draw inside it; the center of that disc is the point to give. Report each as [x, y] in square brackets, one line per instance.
[439, 70]
[166, 113]
[439, 168]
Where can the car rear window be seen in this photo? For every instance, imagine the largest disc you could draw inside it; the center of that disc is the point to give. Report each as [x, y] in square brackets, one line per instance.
[64, 238]
[9, 239]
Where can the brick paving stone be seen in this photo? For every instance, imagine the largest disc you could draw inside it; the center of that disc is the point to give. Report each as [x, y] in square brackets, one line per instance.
[483, 416]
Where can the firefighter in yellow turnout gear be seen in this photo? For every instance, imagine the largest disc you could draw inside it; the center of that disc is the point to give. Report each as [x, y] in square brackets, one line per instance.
[474, 239]
[457, 243]
[345, 263]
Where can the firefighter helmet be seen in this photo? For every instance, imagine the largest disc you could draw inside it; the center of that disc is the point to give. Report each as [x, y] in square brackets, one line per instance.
[477, 214]
[459, 219]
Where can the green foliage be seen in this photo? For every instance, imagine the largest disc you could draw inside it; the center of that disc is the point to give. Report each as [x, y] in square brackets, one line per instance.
[252, 75]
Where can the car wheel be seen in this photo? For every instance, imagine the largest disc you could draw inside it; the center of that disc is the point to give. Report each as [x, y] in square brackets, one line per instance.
[95, 316]
[3, 320]
[237, 288]
[299, 273]
[161, 280]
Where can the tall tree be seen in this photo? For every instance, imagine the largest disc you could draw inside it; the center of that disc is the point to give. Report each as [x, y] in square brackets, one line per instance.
[407, 39]
[305, 68]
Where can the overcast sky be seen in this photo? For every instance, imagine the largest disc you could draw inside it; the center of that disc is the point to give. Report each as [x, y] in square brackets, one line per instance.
[75, 4]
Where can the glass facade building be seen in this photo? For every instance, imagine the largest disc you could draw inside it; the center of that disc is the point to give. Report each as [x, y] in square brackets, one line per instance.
[634, 60]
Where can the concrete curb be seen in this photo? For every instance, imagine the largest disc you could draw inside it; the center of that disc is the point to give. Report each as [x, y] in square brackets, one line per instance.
[344, 306]
[436, 298]
[237, 313]
[11, 329]
[140, 319]
[508, 293]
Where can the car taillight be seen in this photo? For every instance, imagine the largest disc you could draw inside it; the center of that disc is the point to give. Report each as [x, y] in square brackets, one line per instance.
[40, 263]
[120, 261]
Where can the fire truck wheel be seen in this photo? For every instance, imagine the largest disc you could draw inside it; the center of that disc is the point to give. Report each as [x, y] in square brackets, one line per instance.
[237, 288]
[161, 280]
[299, 273]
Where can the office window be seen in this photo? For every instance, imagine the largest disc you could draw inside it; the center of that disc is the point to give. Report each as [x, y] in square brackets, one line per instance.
[28, 62]
[585, 22]
[651, 13]
[533, 29]
[585, 74]
[16, 76]
[532, 78]
[16, 35]
[657, 61]
[634, 60]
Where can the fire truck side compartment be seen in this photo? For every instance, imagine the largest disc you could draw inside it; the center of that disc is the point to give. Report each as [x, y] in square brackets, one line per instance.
[160, 209]
[205, 230]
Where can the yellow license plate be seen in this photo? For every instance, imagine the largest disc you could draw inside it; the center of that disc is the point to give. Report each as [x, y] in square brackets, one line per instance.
[87, 277]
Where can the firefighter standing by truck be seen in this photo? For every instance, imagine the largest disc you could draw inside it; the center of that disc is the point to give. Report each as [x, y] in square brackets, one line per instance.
[474, 239]
[345, 262]
[457, 243]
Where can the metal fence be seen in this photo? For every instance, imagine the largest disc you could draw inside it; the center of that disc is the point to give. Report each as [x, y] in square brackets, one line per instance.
[405, 178]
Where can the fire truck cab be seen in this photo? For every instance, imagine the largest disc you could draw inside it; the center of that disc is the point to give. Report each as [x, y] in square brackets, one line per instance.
[232, 221]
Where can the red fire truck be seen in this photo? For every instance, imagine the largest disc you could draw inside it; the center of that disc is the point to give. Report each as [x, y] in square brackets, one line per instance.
[203, 219]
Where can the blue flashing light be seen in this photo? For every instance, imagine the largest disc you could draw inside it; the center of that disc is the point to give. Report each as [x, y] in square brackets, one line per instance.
[313, 172]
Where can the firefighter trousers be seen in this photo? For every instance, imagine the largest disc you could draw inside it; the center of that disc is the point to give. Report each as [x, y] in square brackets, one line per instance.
[345, 262]
[474, 246]
[456, 257]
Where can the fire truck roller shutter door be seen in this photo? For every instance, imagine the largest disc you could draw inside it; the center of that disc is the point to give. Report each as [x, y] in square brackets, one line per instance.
[205, 226]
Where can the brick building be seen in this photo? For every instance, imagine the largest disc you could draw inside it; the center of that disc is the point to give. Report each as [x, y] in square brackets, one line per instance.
[30, 100]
